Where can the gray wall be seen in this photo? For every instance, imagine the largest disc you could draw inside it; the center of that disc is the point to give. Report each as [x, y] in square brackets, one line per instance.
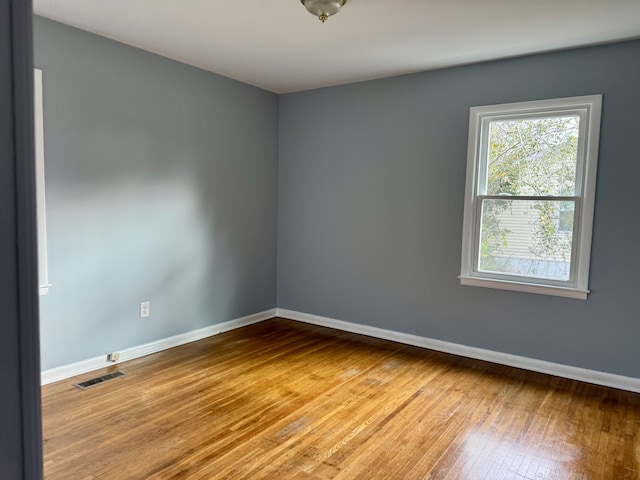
[161, 186]
[372, 179]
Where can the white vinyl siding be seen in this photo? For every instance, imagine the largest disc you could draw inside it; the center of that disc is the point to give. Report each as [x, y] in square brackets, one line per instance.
[519, 221]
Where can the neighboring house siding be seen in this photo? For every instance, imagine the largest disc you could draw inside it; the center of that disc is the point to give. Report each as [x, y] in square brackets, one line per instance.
[520, 221]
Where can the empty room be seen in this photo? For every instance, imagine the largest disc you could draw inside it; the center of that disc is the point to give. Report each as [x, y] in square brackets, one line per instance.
[338, 239]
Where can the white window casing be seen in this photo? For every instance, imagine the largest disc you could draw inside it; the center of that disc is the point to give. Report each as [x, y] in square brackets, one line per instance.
[43, 273]
[588, 110]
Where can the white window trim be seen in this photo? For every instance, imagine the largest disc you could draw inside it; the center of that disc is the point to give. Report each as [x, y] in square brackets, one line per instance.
[43, 271]
[590, 108]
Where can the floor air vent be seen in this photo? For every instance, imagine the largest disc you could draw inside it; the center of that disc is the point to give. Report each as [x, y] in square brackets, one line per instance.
[96, 381]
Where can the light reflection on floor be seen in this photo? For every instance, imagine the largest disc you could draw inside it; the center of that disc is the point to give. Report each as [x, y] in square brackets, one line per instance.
[486, 457]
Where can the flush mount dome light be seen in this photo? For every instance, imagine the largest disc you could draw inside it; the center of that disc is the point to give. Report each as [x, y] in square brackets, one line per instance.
[323, 9]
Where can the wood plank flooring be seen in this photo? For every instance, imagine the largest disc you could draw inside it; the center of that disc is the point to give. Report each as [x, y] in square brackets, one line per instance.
[284, 400]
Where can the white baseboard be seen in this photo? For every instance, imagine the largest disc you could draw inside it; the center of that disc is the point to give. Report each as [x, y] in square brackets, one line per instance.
[84, 366]
[575, 373]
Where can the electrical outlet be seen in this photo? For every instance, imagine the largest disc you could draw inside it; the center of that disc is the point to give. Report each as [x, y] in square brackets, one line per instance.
[145, 309]
[113, 357]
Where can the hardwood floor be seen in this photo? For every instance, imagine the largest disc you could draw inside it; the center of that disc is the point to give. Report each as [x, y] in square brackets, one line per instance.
[285, 400]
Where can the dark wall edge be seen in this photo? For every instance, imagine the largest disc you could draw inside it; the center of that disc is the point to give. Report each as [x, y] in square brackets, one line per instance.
[19, 226]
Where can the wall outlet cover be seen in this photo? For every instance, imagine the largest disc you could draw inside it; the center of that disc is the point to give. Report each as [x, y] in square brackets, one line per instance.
[113, 357]
[145, 309]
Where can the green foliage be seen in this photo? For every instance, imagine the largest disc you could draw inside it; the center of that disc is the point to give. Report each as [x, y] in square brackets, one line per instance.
[549, 241]
[494, 236]
[532, 156]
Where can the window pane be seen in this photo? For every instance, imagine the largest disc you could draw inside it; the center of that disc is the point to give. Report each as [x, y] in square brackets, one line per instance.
[565, 216]
[524, 237]
[535, 156]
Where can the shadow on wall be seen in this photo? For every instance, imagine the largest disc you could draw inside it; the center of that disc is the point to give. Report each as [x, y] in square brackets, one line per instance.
[116, 247]
[161, 187]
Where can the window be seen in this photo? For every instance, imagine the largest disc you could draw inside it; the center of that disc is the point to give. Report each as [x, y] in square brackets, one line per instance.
[40, 200]
[531, 175]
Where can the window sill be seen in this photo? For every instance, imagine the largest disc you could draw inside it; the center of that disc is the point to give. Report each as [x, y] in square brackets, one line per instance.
[43, 290]
[525, 287]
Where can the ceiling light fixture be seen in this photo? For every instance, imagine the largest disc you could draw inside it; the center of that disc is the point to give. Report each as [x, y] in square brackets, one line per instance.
[323, 9]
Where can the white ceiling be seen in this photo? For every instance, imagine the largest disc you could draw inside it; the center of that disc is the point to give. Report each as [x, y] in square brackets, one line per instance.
[279, 46]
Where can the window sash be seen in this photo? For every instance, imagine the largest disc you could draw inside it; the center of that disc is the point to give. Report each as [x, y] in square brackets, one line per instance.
[482, 147]
[477, 241]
